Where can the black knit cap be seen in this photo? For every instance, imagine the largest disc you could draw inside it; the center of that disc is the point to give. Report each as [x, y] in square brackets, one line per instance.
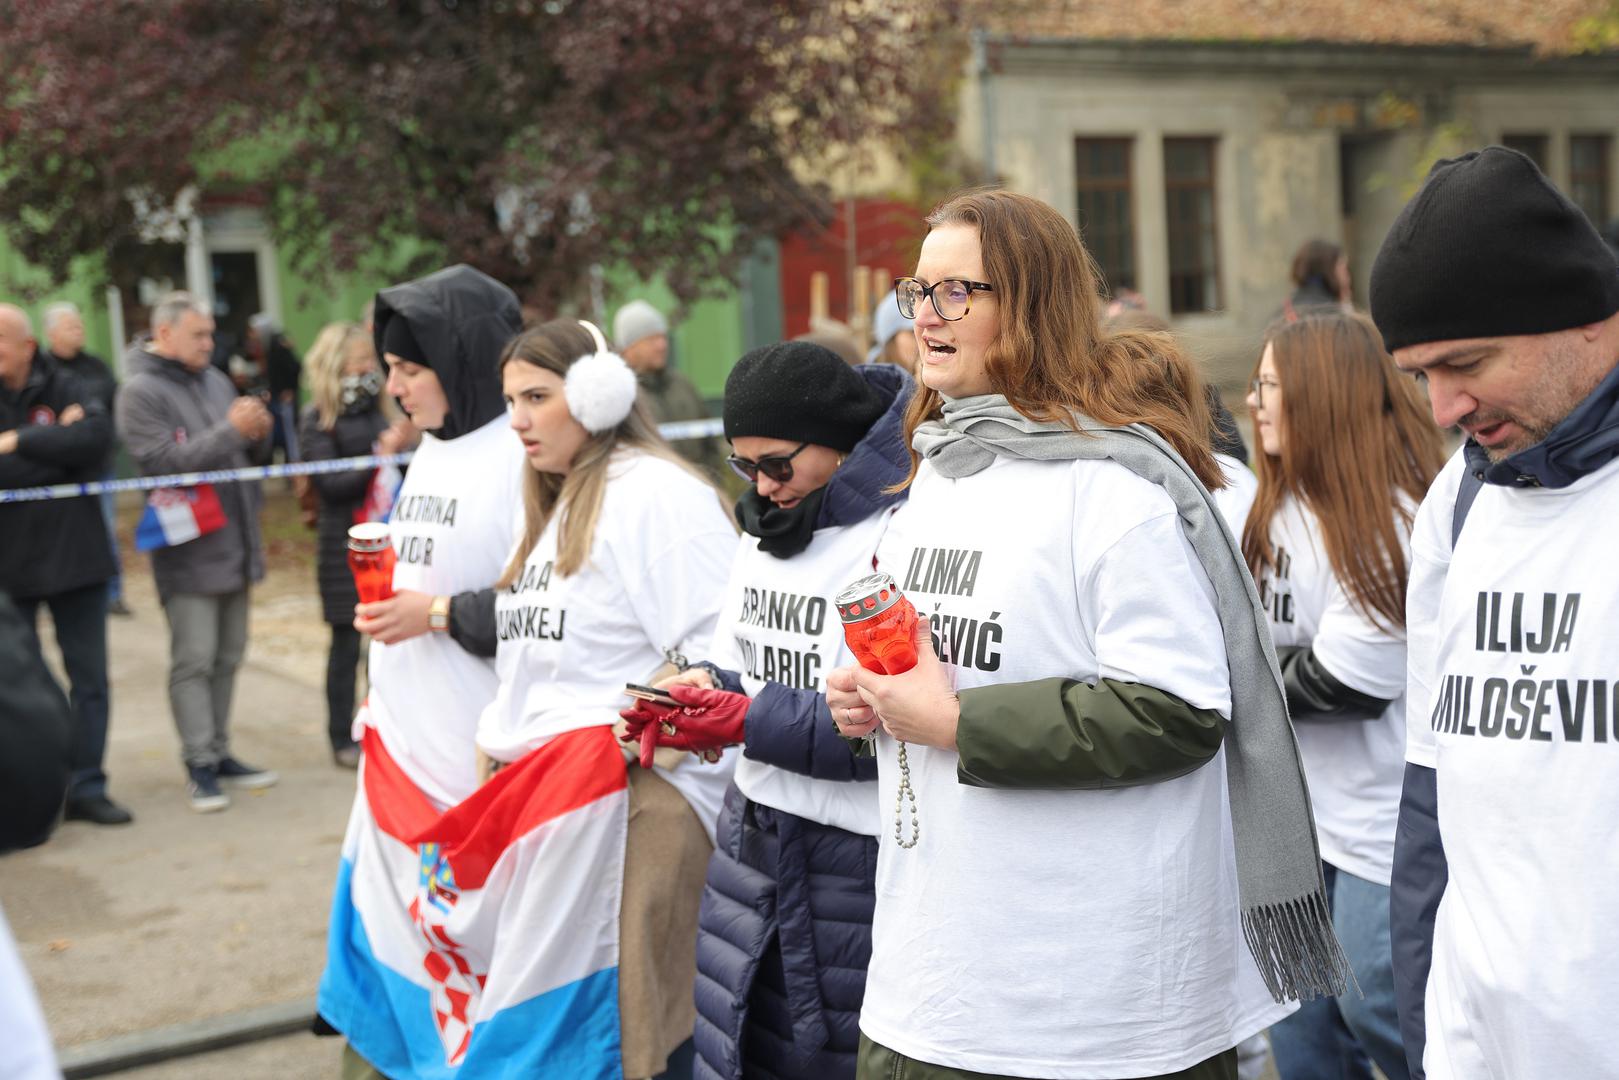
[800, 391]
[1489, 248]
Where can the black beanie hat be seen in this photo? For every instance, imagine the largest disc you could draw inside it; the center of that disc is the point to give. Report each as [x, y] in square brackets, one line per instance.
[1489, 248]
[800, 391]
[398, 339]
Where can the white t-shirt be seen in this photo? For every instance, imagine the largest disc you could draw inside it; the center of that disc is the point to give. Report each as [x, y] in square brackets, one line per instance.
[1048, 933]
[25, 1042]
[1514, 702]
[1237, 497]
[778, 624]
[452, 528]
[1354, 768]
[567, 645]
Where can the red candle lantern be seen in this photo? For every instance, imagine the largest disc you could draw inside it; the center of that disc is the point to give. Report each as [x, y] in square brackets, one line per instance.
[371, 560]
[879, 624]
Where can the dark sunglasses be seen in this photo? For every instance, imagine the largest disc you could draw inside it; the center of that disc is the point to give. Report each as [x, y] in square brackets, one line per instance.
[779, 467]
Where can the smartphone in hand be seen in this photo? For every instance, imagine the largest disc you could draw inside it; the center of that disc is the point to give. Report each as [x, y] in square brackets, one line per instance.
[650, 693]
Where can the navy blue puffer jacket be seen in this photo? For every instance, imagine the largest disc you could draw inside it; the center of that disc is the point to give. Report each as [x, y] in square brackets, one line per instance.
[784, 936]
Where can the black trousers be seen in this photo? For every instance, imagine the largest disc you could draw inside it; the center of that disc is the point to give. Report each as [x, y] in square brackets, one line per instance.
[80, 617]
[342, 661]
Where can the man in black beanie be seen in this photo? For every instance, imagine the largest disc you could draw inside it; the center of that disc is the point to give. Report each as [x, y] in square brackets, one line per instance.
[1495, 291]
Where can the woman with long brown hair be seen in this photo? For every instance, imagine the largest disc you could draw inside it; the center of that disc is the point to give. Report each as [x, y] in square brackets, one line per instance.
[622, 561]
[1100, 797]
[1347, 453]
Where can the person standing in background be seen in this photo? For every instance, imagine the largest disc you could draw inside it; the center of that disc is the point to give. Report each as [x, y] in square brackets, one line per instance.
[282, 373]
[892, 341]
[1346, 453]
[1321, 281]
[177, 413]
[641, 336]
[349, 417]
[54, 552]
[64, 338]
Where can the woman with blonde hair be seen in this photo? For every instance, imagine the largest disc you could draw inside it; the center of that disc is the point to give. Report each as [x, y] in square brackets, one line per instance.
[621, 566]
[348, 416]
[1347, 453]
[1103, 856]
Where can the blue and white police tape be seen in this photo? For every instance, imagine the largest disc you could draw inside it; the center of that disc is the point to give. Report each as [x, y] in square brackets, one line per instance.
[684, 429]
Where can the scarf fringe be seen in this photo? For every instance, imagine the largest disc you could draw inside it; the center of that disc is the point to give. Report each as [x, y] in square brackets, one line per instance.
[1297, 952]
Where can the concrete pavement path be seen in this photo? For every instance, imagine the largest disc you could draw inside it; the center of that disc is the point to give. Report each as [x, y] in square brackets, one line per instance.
[184, 915]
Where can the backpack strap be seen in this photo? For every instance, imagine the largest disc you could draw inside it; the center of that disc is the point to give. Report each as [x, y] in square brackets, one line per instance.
[1472, 483]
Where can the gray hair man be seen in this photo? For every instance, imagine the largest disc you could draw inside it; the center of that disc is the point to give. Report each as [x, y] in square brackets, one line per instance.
[177, 413]
[55, 552]
[1495, 291]
[64, 339]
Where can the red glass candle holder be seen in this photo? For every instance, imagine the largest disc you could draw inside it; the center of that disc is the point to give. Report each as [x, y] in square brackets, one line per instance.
[371, 561]
[879, 624]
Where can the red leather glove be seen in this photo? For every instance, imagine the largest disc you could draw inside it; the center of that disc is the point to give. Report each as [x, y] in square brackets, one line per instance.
[643, 724]
[706, 722]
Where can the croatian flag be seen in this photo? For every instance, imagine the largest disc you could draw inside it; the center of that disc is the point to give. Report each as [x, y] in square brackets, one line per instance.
[381, 494]
[177, 515]
[483, 941]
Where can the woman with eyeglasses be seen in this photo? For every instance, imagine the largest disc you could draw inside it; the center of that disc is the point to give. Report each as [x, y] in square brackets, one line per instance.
[1347, 453]
[785, 930]
[1105, 865]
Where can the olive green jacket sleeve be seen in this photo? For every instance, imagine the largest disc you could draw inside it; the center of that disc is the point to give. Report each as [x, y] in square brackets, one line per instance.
[1067, 735]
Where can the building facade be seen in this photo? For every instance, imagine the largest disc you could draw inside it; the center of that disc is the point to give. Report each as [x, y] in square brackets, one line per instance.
[1194, 170]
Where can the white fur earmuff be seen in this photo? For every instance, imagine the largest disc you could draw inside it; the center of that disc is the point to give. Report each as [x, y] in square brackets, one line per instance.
[599, 388]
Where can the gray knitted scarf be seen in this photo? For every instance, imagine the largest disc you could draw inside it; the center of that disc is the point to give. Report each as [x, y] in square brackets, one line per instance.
[1284, 908]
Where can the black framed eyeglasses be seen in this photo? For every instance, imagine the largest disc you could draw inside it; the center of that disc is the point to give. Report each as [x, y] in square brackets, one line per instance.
[779, 467]
[951, 297]
[1259, 385]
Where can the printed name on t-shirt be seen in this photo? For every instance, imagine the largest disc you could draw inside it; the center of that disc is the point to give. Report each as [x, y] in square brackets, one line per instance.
[952, 571]
[783, 611]
[959, 639]
[792, 613]
[425, 509]
[533, 621]
[1579, 709]
[1279, 605]
[430, 509]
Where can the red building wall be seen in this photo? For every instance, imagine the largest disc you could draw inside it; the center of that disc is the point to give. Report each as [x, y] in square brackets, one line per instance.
[888, 236]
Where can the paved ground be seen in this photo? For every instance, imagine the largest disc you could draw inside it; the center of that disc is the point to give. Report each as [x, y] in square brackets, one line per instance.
[291, 1057]
[180, 915]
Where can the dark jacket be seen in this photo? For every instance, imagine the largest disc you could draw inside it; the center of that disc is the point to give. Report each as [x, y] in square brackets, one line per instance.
[35, 735]
[100, 384]
[672, 397]
[56, 545]
[286, 371]
[784, 934]
[341, 495]
[1582, 443]
[172, 420]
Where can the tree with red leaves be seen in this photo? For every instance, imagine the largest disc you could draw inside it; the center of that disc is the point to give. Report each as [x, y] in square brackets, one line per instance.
[532, 138]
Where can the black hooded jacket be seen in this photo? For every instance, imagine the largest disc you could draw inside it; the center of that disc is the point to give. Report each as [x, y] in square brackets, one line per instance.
[462, 318]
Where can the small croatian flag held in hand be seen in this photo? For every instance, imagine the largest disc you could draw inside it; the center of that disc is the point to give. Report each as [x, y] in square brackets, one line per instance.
[380, 496]
[178, 515]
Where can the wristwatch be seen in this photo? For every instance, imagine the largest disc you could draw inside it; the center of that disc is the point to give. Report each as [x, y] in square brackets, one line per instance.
[438, 614]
